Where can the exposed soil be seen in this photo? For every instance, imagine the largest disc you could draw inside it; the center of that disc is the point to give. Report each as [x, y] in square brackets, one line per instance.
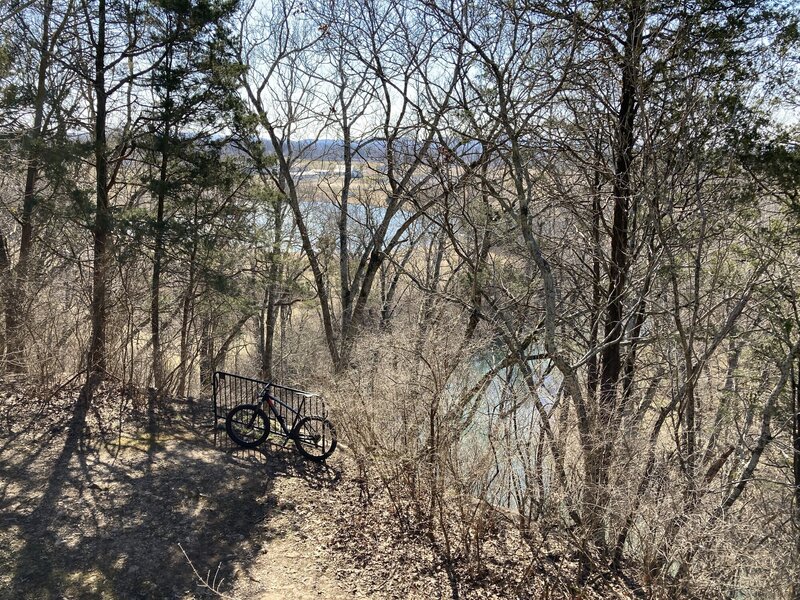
[149, 503]
[127, 514]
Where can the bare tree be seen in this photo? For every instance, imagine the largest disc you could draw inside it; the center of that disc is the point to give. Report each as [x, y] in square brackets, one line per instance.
[397, 82]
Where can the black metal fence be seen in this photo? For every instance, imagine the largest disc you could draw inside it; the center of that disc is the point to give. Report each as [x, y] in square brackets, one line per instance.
[230, 390]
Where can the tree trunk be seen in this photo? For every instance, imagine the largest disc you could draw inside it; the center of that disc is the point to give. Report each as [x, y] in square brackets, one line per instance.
[477, 272]
[274, 293]
[270, 321]
[592, 368]
[17, 279]
[344, 247]
[188, 311]
[155, 304]
[102, 223]
[207, 351]
[5, 267]
[599, 455]
[425, 318]
[796, 471]
[376, 259]
[155, 297]
[186, 316]
[267, 323]
[219, 357]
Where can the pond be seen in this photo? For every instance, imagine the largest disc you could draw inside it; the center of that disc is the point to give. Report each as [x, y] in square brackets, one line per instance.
[507, 424]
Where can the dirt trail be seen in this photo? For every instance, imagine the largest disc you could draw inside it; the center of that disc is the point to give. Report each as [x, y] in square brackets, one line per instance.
[109, 519]
[295, 561]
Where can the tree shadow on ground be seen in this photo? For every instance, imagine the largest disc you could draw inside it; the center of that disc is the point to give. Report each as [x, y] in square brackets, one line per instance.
[108, 518]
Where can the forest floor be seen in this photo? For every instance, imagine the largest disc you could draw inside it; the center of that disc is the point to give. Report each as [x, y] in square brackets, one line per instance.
[161, 508]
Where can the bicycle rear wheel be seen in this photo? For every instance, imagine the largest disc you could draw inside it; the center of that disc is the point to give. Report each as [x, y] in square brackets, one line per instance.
[315, 438]
[247, 425]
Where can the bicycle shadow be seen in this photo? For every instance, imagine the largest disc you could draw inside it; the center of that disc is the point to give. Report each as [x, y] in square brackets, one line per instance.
[278, 458]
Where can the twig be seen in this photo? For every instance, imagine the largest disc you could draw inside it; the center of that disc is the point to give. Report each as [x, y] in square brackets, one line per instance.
[212, 585]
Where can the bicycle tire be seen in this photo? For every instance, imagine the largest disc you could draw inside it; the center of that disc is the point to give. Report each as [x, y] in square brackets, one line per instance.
[315, 438]
[247, 425]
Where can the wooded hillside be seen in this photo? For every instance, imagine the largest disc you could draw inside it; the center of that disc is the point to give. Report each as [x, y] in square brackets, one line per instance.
[540, 257]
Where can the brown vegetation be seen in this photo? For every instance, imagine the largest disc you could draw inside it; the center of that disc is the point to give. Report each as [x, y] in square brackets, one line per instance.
[546, 280]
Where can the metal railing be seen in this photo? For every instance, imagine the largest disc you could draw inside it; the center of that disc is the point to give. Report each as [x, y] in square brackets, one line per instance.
[230, 389]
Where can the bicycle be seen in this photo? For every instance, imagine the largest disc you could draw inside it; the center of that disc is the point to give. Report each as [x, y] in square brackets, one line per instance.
[248, 425]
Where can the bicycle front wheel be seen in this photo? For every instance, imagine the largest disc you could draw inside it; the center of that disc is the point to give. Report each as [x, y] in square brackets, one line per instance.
[315, 438]
[247, 425]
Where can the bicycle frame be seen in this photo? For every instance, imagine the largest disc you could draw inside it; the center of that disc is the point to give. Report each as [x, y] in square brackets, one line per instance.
[272, 402]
